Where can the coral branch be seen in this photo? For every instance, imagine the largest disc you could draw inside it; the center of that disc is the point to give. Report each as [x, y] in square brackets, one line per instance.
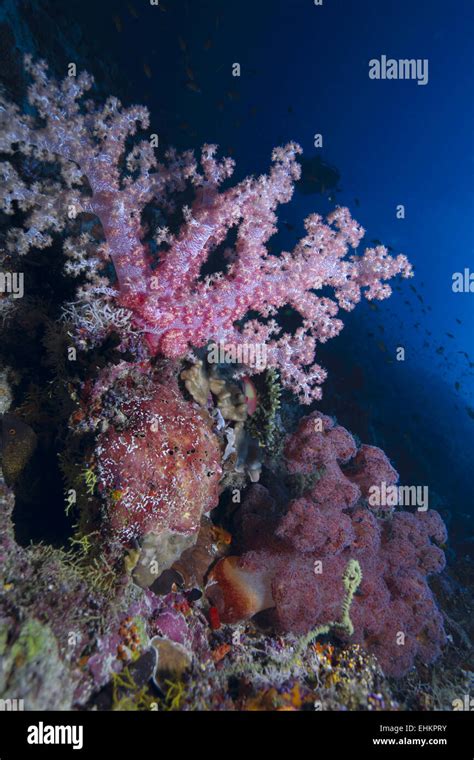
[103, 171]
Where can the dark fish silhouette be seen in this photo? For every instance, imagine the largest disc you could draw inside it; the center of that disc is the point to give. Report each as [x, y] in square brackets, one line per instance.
[17, 443]
[317, 176]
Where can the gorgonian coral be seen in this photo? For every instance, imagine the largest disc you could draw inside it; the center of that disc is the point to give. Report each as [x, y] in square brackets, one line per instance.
[294, 564]
[101, 171]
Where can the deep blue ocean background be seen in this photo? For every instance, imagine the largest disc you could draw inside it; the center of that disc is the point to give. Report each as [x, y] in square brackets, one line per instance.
[304, 70]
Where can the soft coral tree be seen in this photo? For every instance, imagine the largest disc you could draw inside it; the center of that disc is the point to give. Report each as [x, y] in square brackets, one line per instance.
[104, 172]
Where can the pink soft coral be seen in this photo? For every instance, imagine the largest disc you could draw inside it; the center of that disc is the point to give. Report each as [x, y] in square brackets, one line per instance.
[173, 305]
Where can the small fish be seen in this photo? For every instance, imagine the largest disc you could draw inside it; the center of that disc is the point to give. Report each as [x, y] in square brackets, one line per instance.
[182, 44]
[118, 23]
[17, 444]
[357, 201]
[189, 72]
[250, 393]
[193, 86]
[457, 385]
[470, 412]
[208, 44]
[450, 335]
[132, 10]
[147, 70]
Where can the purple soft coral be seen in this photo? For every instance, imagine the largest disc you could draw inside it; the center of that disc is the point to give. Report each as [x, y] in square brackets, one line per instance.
[295, 565]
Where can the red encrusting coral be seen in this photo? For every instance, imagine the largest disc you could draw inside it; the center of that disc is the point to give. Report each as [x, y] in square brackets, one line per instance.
[297, 562]
[158, 460]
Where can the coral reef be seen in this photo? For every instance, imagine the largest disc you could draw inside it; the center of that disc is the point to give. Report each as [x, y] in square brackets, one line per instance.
[303, 596]
[296, 565]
